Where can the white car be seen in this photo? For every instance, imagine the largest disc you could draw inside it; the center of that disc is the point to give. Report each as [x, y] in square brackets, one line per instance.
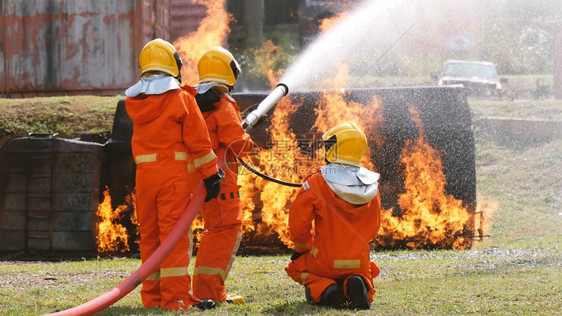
[478, 77]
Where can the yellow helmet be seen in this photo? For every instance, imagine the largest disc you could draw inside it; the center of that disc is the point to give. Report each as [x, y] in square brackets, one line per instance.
[160, 55]
[345, 144]
[218, 65]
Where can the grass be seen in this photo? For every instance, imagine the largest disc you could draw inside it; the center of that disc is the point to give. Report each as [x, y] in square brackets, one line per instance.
[516, 270]
[67, 116]
[499, 281]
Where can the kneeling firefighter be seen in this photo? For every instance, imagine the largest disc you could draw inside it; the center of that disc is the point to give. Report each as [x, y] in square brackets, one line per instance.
[218, 71]
[343, 204]
[167, 127]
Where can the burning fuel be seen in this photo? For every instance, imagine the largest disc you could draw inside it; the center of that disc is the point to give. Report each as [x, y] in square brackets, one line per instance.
[112, 235]
[429, 218]
[212, 31]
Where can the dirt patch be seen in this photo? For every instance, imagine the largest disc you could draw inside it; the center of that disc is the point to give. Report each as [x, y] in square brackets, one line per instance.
[25, 280]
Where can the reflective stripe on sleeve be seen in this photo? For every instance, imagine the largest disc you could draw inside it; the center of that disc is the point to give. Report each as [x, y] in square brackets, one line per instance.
[302, 246]
[314, 251]
[178, 155]
[205, 159]
[145, 158]
[303, 277]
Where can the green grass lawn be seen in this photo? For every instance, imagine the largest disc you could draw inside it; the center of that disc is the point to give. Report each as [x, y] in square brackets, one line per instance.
[516, 270]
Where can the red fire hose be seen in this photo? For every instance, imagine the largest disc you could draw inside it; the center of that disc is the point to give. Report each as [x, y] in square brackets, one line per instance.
[105, 300]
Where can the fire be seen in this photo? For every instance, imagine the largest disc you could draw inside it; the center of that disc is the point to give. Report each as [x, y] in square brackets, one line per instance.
[265, 61]
[212, 31]
[329, 22]
[112, 236]
[429, 217]
[278, 161]
[292, 159]
[484, 214]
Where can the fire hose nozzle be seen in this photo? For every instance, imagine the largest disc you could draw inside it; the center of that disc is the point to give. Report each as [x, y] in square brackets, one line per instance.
[283, 86]
[265, 106]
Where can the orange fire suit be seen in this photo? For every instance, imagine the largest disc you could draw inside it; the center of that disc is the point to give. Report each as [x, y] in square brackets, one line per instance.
[223, 215]
[166, 129]
[339, 246]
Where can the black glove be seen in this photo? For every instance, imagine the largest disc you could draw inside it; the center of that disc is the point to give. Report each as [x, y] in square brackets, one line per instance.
[295, 255]
[213, 185]
[207, 100]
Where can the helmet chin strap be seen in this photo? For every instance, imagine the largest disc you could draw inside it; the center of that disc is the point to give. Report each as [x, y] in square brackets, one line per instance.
[179, 64]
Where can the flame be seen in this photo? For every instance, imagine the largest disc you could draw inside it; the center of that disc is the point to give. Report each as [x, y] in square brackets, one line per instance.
[327, 23]
[429, 217]
[279, 161]
[212, 31]
[484, 214]
[265, 61]
[197, 229]
[292, 159]
[112, 236]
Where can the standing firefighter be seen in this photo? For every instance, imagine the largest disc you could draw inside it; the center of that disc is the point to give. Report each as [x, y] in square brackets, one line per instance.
[167, 127]
[218, 71]
[342, 203]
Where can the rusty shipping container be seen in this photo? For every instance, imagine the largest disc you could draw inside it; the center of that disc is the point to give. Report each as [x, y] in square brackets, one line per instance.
[63, 47]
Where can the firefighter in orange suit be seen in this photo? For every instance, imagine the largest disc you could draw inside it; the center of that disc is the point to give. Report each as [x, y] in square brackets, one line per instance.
[167, 127]
[331, 222]
[222, 216]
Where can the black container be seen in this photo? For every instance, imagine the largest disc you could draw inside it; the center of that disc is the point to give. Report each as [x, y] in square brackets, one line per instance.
[49, 193]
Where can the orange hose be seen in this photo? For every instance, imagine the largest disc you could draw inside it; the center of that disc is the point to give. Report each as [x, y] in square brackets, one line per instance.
[108, 298]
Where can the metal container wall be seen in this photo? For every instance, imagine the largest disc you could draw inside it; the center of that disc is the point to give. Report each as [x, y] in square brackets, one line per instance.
[185, 17]
[49, 193]
[75, 47]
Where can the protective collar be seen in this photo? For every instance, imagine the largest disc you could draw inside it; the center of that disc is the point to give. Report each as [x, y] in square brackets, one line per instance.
[153, 84]
[205, 86]
[355, 185]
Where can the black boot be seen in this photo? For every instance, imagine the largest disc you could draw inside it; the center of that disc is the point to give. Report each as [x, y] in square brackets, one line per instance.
[206, 304]
[332, 296]
[357, 292]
